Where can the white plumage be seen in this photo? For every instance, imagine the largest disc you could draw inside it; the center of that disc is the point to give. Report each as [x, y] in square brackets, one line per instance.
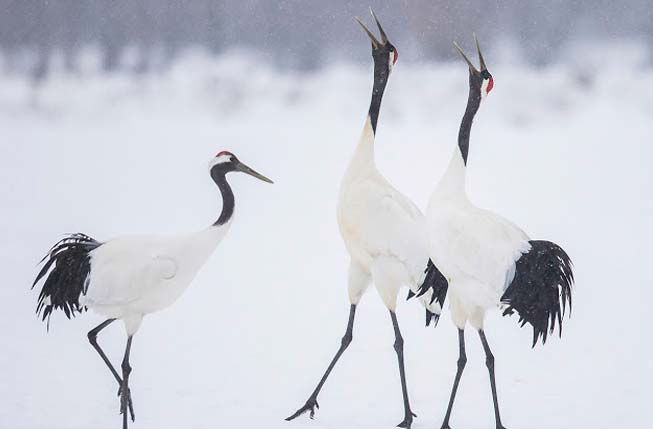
[475, 249]
[135, 275]
[384, 232]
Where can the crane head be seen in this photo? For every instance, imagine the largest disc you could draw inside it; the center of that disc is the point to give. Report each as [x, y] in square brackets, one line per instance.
[225, 162]
[479, 80]
[382, 51]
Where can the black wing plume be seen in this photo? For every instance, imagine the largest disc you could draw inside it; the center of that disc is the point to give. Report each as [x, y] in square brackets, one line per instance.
[541, 289]
[66, 269]
[436, 282]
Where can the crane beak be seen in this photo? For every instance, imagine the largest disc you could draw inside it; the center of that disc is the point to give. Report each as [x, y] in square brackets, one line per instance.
[471, 65]
[245, 169]
[480, 56]
[375, 43]
[384, 38]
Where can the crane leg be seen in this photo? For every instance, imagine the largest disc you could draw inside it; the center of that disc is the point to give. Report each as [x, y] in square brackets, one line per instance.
[489, 362]
[311, 404]
[125, 394]
[92, 338]
[399, 348]
[462, 360]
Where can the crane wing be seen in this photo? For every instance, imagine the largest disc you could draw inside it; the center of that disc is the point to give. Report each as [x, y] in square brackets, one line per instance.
[124, 269]
[479, 245]
[405, 233]
[377, 220]
[166, 266]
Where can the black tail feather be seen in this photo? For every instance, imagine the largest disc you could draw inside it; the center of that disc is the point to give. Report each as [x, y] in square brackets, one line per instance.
[432, 316]
[436, 282]
[541, 289]
[66, 270]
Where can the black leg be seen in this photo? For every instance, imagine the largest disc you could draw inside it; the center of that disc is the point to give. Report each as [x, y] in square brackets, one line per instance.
[489, 362]
[399, 348]
[92, 338]
[462, 360]
[125, 394]
[311, 403]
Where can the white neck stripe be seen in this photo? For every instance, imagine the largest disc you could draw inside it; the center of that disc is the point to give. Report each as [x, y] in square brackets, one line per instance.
[222, 159]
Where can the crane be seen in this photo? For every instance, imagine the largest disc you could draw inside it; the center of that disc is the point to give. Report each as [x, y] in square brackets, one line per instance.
[489, 262]
[128, 277]
[383, 231]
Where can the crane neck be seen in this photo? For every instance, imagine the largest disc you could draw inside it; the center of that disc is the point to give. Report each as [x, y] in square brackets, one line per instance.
[363, 158]
[381, 73]
[473, 103]
[228, 201]
[452, 184]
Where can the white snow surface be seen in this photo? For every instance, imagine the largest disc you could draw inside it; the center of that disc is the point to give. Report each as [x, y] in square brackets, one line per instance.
[564, 151]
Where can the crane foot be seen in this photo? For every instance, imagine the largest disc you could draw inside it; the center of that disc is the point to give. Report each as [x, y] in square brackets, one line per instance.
[408, 420]
[126, 402]
[310, 405]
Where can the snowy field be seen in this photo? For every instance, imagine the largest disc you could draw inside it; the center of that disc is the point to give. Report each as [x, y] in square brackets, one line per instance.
[564, 151]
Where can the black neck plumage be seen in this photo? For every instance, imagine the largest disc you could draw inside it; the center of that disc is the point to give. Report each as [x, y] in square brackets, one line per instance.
[228, 201]
[381, 72]
[473, 103]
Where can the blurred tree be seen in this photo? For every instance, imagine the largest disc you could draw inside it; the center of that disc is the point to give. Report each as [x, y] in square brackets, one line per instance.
[296, 33]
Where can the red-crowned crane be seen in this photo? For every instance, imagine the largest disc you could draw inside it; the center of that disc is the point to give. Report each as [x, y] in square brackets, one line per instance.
[383, 231]
[488, 261]
[128, 277]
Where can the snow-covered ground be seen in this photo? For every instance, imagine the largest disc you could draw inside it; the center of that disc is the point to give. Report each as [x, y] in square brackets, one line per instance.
[565, 152]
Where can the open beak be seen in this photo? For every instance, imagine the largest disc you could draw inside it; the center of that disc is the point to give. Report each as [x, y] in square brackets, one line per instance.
[245, 169]
[471, 65]
[375, 43]
[480, 56]
[384, 38]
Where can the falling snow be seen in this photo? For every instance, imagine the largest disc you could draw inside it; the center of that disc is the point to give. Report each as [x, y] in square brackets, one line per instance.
[564, 151]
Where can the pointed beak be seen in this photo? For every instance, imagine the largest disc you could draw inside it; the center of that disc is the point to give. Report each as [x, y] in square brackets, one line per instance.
[471, 65]
[384, 38]
[375, 43]
[480, 55]
[245, 169]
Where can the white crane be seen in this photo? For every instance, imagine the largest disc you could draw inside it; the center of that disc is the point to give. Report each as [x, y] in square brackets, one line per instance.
[488, 261]
[131, 276]
[383, 231]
